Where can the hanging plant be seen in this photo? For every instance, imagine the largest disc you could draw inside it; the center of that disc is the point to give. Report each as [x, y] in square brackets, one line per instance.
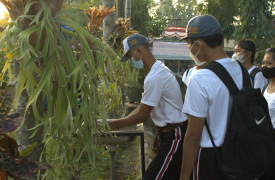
[62, 74]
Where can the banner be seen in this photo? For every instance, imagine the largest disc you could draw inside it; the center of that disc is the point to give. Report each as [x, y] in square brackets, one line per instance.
[172, 49]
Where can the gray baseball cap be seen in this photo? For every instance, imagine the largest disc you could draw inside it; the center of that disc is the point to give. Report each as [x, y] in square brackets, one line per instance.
[131, 42]
[203, 25]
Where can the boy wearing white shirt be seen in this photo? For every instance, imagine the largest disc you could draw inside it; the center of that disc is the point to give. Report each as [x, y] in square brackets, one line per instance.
[207, 98]
[162, 99]
[187, 74]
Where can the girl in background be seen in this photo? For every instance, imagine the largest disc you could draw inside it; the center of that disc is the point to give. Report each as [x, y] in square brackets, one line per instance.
[268, 70]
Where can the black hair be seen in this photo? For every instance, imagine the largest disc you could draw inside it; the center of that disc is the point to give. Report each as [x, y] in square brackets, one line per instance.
[248, 45]
[212, 41]
[272, 52]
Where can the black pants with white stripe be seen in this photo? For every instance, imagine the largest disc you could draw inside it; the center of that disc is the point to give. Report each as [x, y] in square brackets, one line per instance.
[167, 163]
[206, 166]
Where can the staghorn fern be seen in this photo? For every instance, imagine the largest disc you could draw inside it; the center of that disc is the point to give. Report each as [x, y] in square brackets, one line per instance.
[67, 135]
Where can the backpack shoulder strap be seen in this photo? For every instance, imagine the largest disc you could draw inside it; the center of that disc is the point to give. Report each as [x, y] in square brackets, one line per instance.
[225, 77]
[182, 86]
[187, 72]
[246, 77]
[211, 138]
[253, 74]
[264, 88]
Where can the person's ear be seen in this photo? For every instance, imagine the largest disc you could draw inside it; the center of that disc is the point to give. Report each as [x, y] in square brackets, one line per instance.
[199, 43]
[248, 54]
[139, 49]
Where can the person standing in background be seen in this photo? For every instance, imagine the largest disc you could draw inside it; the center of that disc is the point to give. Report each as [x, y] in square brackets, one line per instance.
[245, 53]
[268, 70]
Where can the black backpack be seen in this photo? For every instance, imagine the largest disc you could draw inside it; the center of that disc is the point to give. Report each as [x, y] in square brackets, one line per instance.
[253, 74]
[248, 148]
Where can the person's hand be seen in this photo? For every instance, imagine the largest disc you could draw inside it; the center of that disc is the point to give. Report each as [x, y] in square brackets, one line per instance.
[99, 122]
[110, 124]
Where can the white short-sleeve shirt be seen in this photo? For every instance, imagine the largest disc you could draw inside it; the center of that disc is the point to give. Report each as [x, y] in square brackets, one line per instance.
[259, 80]
[270, 98]
[160, 86]
[208, 97]
[186, 78]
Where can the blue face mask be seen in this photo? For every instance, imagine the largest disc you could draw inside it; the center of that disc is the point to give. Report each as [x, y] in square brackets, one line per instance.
[137, 64]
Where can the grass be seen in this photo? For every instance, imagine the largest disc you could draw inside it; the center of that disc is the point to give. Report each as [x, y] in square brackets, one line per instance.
[125, 158]
[124, 163]
[126, 155]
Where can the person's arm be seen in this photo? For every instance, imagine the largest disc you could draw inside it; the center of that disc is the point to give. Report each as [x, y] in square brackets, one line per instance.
[139, 115]
[191, 145]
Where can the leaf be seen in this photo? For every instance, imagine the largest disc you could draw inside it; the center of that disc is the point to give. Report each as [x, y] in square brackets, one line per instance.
[10, 124]
[9, 145]
[5, 103]
[46, 77]
[26, 152]
[266, 45]
[66, 12]
[4, 23]
[3, 175]
[20, 167]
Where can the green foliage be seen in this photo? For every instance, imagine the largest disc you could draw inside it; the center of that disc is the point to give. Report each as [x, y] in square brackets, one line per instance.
[125, 158]
[256, 20]
[144, 22]
[123, 74]
[259, 56]
[178, 13]
[5, 103]
[224, 11]
[246, 19]
[61, 76]
[140, 16]
[82, 4]
[172, 13]
[127, 73]
[26, 152]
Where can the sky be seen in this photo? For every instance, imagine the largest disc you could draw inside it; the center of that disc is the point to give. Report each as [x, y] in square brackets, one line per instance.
[2, 9]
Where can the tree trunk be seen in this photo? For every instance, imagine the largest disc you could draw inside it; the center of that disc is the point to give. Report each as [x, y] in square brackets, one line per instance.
[120, 9]
[128, 11]
[109, 23]
[24, 133]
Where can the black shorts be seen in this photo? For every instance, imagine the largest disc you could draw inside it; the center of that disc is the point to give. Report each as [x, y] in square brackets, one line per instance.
[167, 163]
[206, 166]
